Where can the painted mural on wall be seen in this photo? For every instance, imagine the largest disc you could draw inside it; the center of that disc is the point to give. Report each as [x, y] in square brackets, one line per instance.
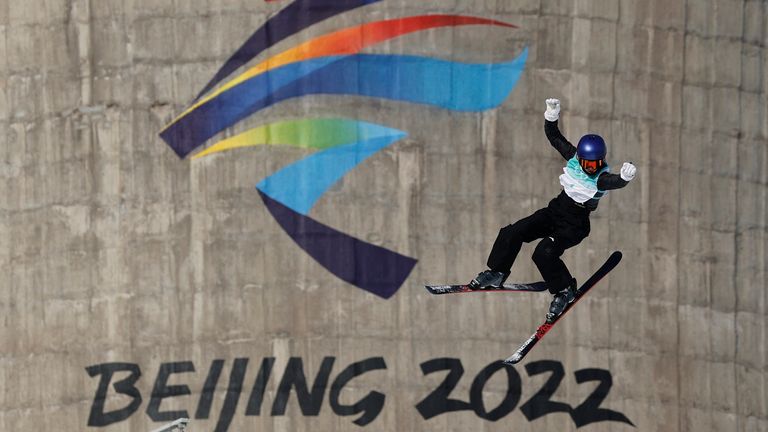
[310, 391]
[333, 64]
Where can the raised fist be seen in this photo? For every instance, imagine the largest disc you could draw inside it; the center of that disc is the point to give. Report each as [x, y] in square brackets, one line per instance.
[628, 171]
[553, 110]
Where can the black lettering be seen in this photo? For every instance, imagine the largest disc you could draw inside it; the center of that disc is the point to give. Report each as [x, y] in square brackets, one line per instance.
[97, 417]
[511, 398]
[438, 402]
[540, 404]
[233, 394]
[589, 411]
[371, 405]
[260, 387]
[162, 391]
[309, 401]
[209, 388]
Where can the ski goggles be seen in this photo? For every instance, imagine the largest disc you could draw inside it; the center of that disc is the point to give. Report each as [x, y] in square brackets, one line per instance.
[590, 166]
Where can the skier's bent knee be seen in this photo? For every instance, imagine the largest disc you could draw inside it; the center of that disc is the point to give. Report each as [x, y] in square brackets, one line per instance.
[545, 251]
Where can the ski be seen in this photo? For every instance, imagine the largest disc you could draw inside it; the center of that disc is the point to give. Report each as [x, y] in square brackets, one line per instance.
[458, 289]
[528, 345]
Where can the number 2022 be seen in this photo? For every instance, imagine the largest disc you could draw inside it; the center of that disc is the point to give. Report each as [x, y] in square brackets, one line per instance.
[439, 401]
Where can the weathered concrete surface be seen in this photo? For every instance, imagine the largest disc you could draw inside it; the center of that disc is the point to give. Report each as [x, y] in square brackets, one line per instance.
[117, 251]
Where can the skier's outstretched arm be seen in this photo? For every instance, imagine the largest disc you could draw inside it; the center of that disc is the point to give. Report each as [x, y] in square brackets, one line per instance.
[558, 141]
[608, 181]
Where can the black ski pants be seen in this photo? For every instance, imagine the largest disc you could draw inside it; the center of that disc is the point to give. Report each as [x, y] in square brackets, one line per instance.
[560, 225]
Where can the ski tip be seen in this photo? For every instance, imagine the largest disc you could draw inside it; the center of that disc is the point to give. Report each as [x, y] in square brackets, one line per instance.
[513, 360]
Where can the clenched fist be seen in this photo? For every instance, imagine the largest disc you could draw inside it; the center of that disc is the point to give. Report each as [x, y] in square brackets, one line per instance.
[553, 110]
[628, 171]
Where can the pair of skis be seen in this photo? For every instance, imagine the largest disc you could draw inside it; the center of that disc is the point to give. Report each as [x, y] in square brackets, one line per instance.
[543, 329]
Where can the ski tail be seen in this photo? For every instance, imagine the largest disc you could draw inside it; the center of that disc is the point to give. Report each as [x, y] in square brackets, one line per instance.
[522, 351]
[543, 329]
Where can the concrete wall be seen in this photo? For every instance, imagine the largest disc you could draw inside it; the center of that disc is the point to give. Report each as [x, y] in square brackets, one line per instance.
[117, 251]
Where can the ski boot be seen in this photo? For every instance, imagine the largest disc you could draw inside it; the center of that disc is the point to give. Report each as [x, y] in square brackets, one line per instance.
[487, 279]
[561, 301]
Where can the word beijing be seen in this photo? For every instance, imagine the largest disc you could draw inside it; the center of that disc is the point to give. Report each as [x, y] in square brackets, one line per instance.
[310, 397]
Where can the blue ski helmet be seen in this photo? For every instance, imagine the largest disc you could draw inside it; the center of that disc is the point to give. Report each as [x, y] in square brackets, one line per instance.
[591, 147]
[591, 152]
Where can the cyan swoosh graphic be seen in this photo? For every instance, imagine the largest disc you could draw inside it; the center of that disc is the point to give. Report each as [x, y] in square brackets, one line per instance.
[299, 185]
[297, 16]
[449, 85]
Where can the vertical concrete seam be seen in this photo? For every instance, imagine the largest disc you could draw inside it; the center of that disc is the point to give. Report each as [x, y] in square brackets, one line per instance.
[6, 72]
[736, 221]
[613, 119]
[764, 6]
[81, 11]
[764, 170]
[679, 210]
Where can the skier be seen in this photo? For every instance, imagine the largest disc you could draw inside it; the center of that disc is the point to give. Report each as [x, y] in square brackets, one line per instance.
[564, 223]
